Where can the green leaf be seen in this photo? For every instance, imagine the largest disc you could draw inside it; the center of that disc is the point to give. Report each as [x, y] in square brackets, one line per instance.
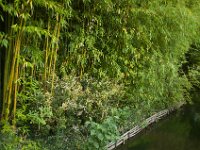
[96, 145]
[100, 137]
[4, 43]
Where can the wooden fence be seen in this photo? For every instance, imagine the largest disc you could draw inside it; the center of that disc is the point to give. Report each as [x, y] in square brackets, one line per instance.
[137, 129]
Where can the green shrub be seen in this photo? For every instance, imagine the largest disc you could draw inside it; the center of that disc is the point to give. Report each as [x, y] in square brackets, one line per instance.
[101, 134]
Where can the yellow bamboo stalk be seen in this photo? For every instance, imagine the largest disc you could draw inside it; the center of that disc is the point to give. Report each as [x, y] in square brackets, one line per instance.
[15, 90]
[46, 53]
[7, 69]
[9, 87]
[52, 50]
[55, 55]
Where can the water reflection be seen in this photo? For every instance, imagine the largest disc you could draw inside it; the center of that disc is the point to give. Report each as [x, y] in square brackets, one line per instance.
[180, 131]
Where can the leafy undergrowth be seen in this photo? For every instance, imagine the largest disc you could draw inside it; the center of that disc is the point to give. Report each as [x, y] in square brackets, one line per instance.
[85, 114]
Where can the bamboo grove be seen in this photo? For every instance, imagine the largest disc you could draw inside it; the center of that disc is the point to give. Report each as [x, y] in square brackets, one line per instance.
[93, 58]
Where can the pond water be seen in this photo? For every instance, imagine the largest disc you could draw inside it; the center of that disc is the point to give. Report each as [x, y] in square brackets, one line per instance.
[179, 131]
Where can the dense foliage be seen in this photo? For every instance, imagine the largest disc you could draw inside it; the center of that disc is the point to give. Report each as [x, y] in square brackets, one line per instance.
[75, 74]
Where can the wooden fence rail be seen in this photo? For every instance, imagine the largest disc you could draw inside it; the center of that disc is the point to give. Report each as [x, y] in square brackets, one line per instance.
[137, 129]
